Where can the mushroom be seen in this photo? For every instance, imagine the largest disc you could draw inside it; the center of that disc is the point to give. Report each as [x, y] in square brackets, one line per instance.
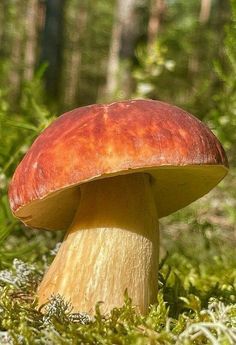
[106, 174]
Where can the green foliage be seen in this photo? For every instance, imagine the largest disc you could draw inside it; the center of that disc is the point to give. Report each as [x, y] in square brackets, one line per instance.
[200, 318]
[179, 67]
[209, 93]
[18, 128]
[223, 116]
[94, 45]
[153, 62]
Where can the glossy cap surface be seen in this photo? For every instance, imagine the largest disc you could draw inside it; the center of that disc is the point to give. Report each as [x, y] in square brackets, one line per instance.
[182, 155]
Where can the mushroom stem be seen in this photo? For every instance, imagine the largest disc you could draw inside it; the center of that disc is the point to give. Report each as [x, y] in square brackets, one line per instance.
[112, 245]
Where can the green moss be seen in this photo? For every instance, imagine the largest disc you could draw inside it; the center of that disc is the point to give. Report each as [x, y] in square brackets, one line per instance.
[196, 303]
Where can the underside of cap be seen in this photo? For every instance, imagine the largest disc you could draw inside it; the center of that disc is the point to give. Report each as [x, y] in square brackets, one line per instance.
[173, 188]
[181, 154]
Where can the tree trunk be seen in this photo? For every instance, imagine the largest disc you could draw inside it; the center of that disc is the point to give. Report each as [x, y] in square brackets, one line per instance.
[123, 39]
[31, 39]
[205, 11]
[1, 24]
[52, 44]
[76, 20]
[157, 11]
[12, 47]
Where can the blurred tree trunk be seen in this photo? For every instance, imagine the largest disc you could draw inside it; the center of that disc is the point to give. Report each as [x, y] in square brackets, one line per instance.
[31, 38]
[52, 44]
[75, 23]
[123, 39]
[196, 57]
[157, 10]
[12, 47]
[205, 11]
[1, 24]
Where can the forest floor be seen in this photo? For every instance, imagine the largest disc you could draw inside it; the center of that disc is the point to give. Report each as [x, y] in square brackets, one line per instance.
[196, 302]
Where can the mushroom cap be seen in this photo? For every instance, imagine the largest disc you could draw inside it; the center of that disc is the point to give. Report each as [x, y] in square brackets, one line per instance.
[183, 157]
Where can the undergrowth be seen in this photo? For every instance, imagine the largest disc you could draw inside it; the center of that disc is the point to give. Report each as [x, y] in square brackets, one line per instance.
[196, 302]
[199, 310]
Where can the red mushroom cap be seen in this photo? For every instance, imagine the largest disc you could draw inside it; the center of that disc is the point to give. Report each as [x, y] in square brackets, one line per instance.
[182, 155]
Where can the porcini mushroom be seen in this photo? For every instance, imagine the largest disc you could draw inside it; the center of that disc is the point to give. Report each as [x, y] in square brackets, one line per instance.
[107, 173]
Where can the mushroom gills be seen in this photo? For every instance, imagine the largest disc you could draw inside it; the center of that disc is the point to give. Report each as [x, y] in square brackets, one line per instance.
[174, 186]
[111, 246]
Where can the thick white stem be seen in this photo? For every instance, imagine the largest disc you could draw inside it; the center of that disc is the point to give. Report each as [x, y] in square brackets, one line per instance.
[112, 245]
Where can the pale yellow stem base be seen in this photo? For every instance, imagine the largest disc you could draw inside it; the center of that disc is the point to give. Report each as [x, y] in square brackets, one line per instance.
[112, 245]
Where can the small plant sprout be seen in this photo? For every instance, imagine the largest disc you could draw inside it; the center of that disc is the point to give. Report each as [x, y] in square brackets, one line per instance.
[106, 174]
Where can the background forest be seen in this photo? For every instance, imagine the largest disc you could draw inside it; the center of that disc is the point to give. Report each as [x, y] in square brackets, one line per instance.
[59, 54]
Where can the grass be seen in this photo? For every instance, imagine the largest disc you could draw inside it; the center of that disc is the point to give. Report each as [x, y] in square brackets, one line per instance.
[196, 302]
